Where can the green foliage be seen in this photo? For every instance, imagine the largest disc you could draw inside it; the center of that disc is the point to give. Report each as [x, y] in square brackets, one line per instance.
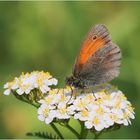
[42, 135]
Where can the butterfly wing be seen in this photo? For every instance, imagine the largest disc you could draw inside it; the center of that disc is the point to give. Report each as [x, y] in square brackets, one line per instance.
[103, 66]
[99, 58]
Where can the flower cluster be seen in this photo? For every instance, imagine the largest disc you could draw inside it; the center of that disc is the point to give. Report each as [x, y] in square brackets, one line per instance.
[25, 83]
[100, 109]
[57, 104]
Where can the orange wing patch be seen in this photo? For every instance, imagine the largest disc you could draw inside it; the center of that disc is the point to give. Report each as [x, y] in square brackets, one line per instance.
[88, 49]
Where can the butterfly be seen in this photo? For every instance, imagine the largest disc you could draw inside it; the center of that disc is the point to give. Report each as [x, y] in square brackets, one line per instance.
[98, 61]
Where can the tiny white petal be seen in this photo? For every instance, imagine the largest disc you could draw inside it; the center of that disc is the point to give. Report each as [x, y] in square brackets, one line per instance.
[6, 85]
[76, 116]
[27, 91]
[52, 113]
[48, 120]
[54, 81]
[99, 127]
[39, 111]
[7, 92]
[41, 117]
[125, 122]
[88, 124]
[131, 115]
[20, 91]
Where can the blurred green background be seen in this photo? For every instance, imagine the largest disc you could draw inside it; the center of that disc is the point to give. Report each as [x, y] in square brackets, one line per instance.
[47, 36]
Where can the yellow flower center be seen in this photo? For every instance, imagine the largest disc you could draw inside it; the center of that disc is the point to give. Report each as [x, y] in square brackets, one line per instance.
[81, 104]
[113, 117]
[95, 121]
[63, 110]
[118, 104]
[40, 81]
[89, 97]
[48, 100]
[84, 113]
[62, 98]
[46, 111]
[100, 111]
[107, 97]
[125, 115]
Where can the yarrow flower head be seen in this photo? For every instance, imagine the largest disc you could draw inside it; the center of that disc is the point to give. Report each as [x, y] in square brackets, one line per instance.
[25, 83]
[99, 109]
[58, 104]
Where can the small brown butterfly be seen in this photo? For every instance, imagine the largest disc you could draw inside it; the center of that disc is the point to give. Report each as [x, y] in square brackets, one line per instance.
[98, 61]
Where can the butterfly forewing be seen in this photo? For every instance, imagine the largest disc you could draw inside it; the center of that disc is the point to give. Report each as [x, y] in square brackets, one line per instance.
[95, 39]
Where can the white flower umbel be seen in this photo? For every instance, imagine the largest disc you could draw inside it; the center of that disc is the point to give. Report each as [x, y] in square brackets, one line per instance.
[25, 83]
[99, 109]
[58, 101]
[103, 108]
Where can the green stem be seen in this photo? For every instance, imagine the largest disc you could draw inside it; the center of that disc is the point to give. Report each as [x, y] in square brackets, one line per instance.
[72, 130]
[26, 101]
[84, 131]
[36, 105]
[97, 134]
[57, 131]
[84, 134]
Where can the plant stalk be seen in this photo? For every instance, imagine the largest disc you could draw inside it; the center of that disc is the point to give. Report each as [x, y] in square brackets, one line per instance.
[73, 131]
[57, 131]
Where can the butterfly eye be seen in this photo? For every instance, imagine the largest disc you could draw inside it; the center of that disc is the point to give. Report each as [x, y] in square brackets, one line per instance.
[94, 37]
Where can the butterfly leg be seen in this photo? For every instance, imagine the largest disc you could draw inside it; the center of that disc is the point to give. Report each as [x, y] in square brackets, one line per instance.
[94, 96]
[72, 93]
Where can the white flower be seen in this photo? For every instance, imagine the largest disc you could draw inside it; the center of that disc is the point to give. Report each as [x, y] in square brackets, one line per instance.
[53, 81]
[10, 86]
[25, 83]
[7, 92]
[96, 122]
[43, 81]
[59, 101]
[83, 115]
[46, 113]
[62, 112]
[103, 108]
[80, 102]
[99, 110]
[108, 119]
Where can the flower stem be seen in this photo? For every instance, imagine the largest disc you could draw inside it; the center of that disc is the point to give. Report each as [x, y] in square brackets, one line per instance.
[72, 130]
[37, 105]
[57, 131]
[26, 101]
[84, 131]
[97, 135]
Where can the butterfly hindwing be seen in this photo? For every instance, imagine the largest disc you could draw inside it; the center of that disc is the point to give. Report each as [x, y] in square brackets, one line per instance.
[103, 66]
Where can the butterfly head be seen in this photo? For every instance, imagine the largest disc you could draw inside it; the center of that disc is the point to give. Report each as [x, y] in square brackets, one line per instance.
[73, 81]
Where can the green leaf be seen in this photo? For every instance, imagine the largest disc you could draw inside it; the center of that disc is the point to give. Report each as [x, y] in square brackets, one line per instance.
[43, 135]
